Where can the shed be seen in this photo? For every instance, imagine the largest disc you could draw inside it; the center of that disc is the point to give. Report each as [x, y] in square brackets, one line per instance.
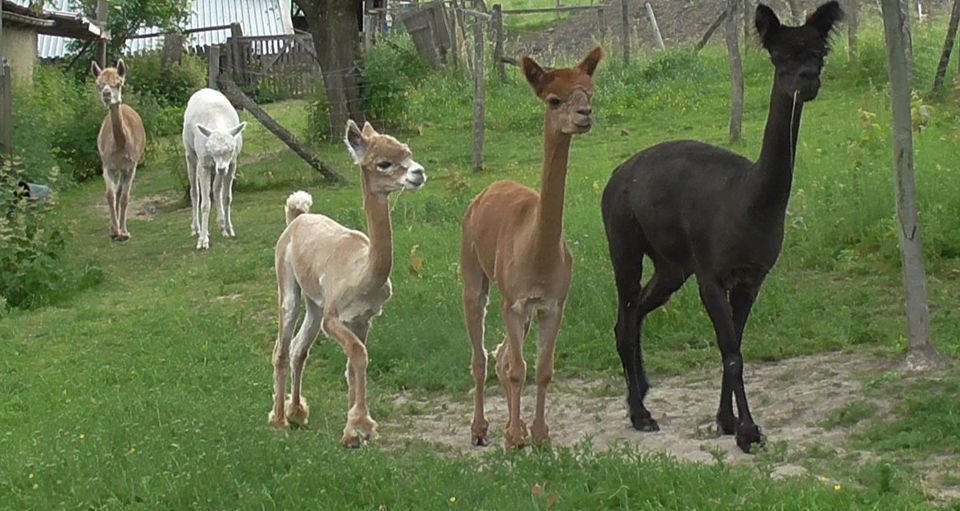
[25, 26]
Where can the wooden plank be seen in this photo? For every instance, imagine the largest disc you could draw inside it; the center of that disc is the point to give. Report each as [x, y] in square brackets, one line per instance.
[478, 96]
[549, 9]
[213, 66]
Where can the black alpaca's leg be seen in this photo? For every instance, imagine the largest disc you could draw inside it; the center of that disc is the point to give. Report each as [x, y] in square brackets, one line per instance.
[718, 307]
[741, 301]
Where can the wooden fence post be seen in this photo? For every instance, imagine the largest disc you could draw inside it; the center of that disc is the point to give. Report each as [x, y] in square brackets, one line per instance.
[6, 108]
[602, 24]
[656, 28]
[625, 31]
[498, 45]
[478, 111]
[213, 66]
[102, 19]
[732, 32]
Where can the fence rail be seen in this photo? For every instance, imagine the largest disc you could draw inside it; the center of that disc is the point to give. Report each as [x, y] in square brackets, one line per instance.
[281, 66]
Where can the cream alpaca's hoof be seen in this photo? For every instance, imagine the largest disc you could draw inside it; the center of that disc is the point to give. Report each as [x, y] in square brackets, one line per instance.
[273, 420]
[297, 415]
[358, 431]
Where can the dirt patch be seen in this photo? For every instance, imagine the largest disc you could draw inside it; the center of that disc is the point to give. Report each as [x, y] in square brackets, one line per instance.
[143, 208]
[791, 401]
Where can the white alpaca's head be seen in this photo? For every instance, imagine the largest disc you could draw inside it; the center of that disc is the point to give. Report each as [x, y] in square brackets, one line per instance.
[109, 81]
[221, 144]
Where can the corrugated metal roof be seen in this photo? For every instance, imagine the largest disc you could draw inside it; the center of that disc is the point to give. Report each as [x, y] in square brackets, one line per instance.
[258, 18]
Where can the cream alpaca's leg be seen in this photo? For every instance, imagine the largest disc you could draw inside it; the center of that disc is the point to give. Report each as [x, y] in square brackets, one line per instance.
[194, 204]
[111, 197]
[226, 199]
[289, 307]
[475, 289]
[549, 322]
[359, 423]
[512, 369]
[297, 410]
[123, 200]
[360, 329]
[203, 184]
[215, 197]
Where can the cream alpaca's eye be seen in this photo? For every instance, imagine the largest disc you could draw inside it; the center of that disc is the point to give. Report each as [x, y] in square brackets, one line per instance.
[384, 165]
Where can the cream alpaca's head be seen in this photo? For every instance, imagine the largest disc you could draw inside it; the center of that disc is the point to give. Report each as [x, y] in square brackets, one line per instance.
[109, 81]
[386, 163]
[221, 145]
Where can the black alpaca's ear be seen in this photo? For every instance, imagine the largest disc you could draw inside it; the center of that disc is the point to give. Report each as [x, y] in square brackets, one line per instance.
[825, 18]
[589, 63]
[533, 72]
[767, 25]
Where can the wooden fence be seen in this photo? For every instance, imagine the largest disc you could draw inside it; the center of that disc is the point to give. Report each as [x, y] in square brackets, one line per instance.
[272, 66]
[6, 108]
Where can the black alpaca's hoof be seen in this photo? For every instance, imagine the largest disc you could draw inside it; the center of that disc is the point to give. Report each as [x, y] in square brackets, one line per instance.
[748, 435]
[644, 423]
[726, 424]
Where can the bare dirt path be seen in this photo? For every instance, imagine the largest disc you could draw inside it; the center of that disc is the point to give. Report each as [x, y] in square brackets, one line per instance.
[790, 400]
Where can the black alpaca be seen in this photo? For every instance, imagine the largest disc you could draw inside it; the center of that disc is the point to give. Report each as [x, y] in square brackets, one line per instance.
[697, 209]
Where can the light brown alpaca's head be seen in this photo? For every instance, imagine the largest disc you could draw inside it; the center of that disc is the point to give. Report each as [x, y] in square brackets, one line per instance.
[109, 81]
[386, 164]
[566, 91]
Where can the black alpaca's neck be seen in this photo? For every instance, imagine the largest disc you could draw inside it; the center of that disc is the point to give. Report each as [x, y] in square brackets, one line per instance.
[774, 169]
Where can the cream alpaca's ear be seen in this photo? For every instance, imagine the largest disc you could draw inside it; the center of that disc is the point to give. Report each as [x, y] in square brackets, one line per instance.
[95, 69]
[356, 142]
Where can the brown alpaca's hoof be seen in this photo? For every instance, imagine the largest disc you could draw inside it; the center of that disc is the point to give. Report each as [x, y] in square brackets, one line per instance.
[479, 433]
[515, 437]
[480, 441]
[541, 434]
[350, 441]
[749, 435]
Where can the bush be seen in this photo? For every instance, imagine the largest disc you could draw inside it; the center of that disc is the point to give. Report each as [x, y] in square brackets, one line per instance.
[390, 70]
[167, 87]
[31, 242]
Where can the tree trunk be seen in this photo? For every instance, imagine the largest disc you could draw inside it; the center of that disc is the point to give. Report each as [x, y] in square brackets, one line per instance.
[796, 11]
[732, 32]
[334, 26]
[947, 47]
[906, 37]
[921, 354]
[852, 12]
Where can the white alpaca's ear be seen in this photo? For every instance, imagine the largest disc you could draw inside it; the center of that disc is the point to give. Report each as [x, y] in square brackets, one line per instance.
[238, 128]
[95, 69]
[356, 142]
[205, 131]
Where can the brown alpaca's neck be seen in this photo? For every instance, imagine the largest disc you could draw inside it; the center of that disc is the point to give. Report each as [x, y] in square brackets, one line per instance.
[553, 180]
[116, 122]
[380, 260]
[774, 168]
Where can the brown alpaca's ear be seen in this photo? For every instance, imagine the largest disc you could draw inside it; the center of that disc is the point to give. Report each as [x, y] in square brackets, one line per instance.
[533, 72]
[95, 69]
[589, 63]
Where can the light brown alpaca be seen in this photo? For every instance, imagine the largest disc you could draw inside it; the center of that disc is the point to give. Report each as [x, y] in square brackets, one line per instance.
[514, 235]
[121, 142]
[344, 276]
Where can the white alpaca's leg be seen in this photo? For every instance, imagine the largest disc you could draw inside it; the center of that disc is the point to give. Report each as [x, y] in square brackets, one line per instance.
[194, 204]
[227, 200]
[111, 197]
[203, 183]
[215, 197]
[297, 410]
[123, 201]
[289, 304]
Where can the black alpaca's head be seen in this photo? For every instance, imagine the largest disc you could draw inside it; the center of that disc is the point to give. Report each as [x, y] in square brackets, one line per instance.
[798, 52]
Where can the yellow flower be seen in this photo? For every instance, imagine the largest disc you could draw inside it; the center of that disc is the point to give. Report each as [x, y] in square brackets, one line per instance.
[838, 487]
[453, 500]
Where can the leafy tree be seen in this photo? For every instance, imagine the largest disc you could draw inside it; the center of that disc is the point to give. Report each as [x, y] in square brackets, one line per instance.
[127, 16]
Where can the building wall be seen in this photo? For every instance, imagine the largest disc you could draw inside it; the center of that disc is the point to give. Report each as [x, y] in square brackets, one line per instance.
[19, 46]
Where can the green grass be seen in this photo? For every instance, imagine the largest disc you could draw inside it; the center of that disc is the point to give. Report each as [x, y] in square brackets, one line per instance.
[535, 21]
[151, 389]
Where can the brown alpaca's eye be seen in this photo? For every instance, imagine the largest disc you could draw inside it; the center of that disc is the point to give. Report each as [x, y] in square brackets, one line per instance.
[554, 102]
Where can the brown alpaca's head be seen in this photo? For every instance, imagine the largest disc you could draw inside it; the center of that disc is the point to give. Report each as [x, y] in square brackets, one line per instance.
[566, 92]
[386, 164]
[109, 81]
[798, 52]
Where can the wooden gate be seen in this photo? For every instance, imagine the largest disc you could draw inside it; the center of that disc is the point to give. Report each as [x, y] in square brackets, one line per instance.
[273, 67]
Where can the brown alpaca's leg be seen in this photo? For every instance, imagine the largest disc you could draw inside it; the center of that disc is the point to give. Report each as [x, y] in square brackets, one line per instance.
[510, 364]
[476, 286]
[111, 197]
[289, 308]
[359, 424]
[549, 322]
[123, 200]
[297, 410]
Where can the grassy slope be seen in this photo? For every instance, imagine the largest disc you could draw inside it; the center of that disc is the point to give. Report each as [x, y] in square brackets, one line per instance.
[152, 389]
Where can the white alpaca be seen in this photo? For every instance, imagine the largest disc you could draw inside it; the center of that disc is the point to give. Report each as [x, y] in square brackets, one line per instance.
[212, 139]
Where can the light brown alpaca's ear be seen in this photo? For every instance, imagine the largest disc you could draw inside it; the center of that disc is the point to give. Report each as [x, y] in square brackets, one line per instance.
[121, 68]
[355, 141]
[95, 69]
[589, 63]
[368, 130]
[533, 72]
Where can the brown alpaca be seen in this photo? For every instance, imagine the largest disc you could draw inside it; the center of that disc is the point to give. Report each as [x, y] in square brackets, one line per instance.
[514, 235]
[121, 142]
